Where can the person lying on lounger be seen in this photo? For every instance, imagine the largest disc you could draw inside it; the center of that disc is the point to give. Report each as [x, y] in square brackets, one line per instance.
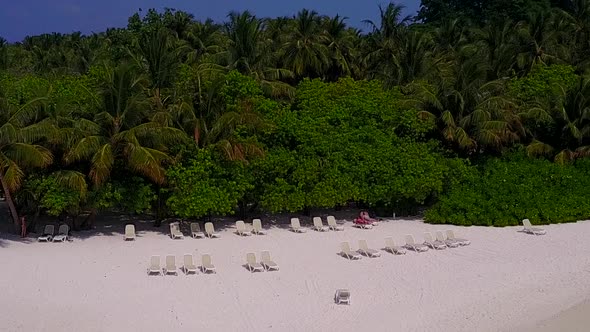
[365, 219]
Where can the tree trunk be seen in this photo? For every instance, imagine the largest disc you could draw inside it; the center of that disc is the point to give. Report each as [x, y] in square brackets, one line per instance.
[11, 205]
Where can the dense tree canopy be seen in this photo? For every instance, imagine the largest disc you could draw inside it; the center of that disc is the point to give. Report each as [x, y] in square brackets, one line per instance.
[292, 113]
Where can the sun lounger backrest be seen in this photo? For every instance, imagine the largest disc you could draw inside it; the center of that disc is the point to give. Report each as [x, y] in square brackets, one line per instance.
[195, 227]
[295, 223]
[428, 237]
[155, 263]
[188, 260]
[389, 242]
[209, 229]
[251, 258]
[130, 230]
[440, 236]
[331, 221]
[170, 262]
[527, 223]
[345, 247]
[49, 230]
[64, 229]
[363, 245]
[240, 226]
[257, 224]
[206, 260]
[317, 222]
[450, 234]
[410, 239]
[265, 256]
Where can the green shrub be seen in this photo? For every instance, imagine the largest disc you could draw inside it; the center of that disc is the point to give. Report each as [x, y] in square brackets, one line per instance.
[505, 191]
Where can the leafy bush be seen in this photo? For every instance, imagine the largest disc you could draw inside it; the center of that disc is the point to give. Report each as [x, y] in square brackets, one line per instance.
[505, 191]
[133, 195]
[201, 186]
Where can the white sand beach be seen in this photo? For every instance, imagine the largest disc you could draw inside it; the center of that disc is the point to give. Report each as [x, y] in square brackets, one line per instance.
[505, 280]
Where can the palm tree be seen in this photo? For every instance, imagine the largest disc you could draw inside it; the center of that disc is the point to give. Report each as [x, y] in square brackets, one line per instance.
[340, 42]
[391, 25]
[248, 53]
[472, 113]
[120, 131]
[19, 134]
[566, 124]
[305, 52]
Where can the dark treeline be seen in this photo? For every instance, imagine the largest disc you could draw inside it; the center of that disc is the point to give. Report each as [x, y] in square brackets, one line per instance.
[180, 117]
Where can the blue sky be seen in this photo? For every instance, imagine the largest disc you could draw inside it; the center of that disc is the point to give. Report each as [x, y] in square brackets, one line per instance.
[19, 18]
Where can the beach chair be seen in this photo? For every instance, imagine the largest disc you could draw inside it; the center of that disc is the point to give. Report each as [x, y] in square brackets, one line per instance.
[451, 237]
[365, 250]
[170, 267]
[175, 232]
[206, 265]
[267, 262]
[252, 264]
[528, 228]
[362, 226]
[257, 227]
[391, 247]
[432, 243]
[333, 225]
[346, 252]
[154, 266]
[318, 225]
[48, 233]
[129, 232]
[210, 230]
[189, 265]
[296, 226]
[412, 245]
[241, 228]
[342, 296]
[441, 238]
[62, 235]
[196, 230]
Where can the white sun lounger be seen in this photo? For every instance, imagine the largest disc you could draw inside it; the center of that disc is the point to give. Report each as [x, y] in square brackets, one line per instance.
[257, 227]
[63, 233]
[432, 243]
[196, 230]
[175, 232]
[391, 247]
[441, 238]
[154, 266]
[241, 228]
[252, 264]
[528, 228]
[318, 225]
[206, 265]
[267, 262]
[412, 245]
[210, 230]
[342, 296]
[189, 265]
[362, 226]
[296, 226]
[48, 233]
[451, 237]
[365, 250]
[346, 252]
[333, 225]
[129, 232]
[170, 267]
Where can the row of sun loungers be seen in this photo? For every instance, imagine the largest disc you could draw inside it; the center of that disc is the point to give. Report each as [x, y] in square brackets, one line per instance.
[49, 234]
[188, 266]
[429, 242]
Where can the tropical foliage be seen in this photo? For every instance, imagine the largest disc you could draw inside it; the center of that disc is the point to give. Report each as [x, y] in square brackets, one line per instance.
[293, 113]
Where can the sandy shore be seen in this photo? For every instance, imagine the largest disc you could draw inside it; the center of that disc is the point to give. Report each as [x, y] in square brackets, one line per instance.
[505, 281]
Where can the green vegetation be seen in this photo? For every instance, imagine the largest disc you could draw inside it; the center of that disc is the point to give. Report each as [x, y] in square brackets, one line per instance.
[479, 111]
